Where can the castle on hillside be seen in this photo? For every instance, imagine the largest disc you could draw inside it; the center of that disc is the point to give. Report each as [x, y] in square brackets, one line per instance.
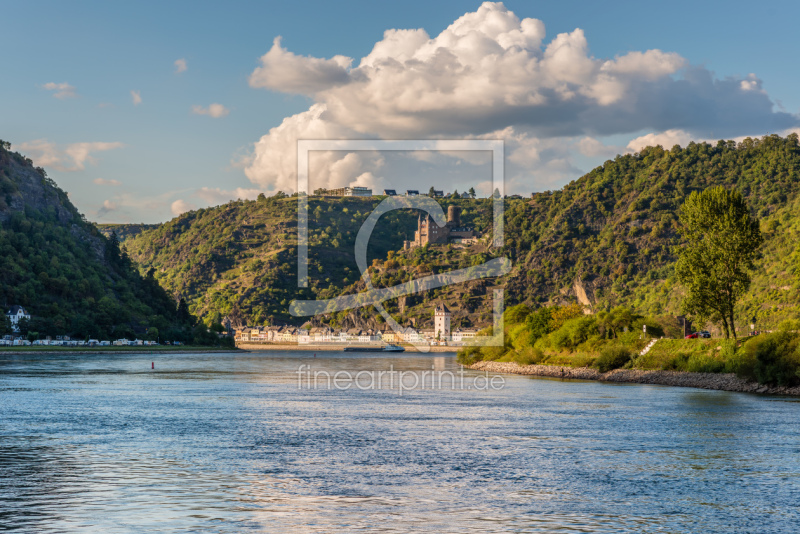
[428, 232]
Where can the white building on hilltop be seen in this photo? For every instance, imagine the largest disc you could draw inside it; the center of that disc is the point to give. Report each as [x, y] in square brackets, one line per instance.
[441, 323]
[15, 315]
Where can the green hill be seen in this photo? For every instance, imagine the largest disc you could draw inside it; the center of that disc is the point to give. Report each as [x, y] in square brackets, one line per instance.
[70, 278]
[606, 239]
[124, 231]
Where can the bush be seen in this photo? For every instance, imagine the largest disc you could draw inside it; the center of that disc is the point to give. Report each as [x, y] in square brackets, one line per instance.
[789, 325]
[775, 357]
[469, 355]
[573, 332]
[530, 356]
[612, 358]
[743, 364]
[704, 363]
[677, 362]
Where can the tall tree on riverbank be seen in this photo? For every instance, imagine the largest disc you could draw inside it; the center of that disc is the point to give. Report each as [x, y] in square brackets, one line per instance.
[722, 238]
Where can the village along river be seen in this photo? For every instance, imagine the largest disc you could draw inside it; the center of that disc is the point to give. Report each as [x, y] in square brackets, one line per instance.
[230, 443]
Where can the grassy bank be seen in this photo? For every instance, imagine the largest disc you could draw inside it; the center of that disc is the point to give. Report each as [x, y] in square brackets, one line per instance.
[567, 338]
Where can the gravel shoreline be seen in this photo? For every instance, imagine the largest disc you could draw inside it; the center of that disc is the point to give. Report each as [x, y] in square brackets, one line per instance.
[718, 381]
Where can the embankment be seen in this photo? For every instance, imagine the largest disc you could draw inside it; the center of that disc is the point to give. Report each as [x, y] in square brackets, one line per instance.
[719, 381]
[327, 347]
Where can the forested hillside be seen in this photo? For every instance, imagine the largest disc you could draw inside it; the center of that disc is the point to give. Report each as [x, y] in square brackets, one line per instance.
[240, 259]
[609, 238]
[613, 233]
[69, 277]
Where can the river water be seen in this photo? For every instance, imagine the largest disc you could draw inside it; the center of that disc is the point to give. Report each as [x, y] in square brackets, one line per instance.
[243, 442]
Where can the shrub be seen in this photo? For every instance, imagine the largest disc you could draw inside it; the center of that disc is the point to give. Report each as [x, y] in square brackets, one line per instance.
[677, 362]
[530, 356]
[776, 358]
[469, 355]
[789, 325]
[574, 332]
[743, 363]
[612, 358]
[704, 363]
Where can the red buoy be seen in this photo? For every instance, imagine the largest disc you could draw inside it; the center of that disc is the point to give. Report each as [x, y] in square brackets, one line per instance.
[152, 365]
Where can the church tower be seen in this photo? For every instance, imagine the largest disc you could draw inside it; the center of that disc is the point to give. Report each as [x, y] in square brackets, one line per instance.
[441, 323]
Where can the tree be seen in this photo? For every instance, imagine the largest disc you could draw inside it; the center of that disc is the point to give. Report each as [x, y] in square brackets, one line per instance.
[722, 241]
[23, 325]
[431, 192]
[5, 325]
[471, 192]
[183, 315]
[112, 249]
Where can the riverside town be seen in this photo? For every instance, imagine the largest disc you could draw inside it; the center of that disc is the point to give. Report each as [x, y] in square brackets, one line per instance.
[445, 267]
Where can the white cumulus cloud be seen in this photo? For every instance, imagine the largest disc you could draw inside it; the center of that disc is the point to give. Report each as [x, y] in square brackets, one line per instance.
[284, 71]
[103, 181]
[490, 71]
[667, 140]
[181, 206]
[72, 157]
[61, 90]
[214, 196]
[214, 110]
[180, 65]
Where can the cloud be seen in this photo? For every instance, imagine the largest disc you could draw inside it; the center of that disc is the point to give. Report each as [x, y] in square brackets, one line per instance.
[216, 196]
[181, 206]
[72, 157]
[214, 110]
[107, 207]
[490, 71]
[180, 65]
[667, 139]
[284, 71]
[62, 90]
[274, 162]
[103, 181]
[592, 148]
[136, 97]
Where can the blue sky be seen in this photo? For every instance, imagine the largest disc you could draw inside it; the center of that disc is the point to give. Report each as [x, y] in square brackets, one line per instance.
[150, 159]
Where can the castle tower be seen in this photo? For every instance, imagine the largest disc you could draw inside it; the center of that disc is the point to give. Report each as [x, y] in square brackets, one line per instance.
[441, 323]
[454, 216]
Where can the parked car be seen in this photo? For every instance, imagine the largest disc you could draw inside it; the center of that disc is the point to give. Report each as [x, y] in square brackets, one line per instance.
[704, 333]
[692, 336]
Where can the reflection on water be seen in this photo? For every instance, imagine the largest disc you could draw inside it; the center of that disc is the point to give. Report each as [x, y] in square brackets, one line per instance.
[227, 443]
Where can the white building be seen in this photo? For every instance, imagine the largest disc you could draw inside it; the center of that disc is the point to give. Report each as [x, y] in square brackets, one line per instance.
[441, 323]
[15, 315]
[460, 335]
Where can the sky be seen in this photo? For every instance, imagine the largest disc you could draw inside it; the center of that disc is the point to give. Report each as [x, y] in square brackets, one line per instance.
[142, 111]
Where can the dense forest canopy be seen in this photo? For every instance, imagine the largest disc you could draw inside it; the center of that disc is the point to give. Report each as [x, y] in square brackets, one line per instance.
[65, 273]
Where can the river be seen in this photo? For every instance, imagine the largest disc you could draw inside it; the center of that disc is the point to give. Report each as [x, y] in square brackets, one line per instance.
[243, 442]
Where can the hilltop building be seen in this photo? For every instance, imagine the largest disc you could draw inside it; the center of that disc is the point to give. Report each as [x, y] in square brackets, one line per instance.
[441, 323]
[344, 192]
[428, 232]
